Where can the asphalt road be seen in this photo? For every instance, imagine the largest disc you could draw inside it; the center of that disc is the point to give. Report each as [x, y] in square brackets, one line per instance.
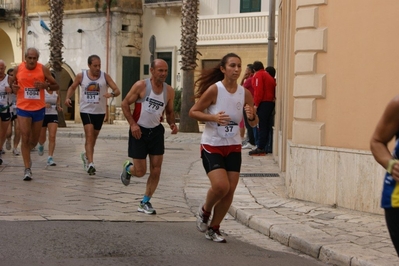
[78, 243]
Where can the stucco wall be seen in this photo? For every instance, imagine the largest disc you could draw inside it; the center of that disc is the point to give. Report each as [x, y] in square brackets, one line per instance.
[345, 61]
[166, 29]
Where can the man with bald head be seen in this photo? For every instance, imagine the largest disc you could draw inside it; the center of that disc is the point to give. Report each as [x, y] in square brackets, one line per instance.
[30, 80]
[151, 97]
[5, 115]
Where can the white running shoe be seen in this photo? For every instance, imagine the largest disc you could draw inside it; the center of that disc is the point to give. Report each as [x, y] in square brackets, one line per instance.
[146, 208]
[8, 144]
[15, 151]
[91, 169]
[40, 150]
[202, 221]
[215, 236]
[248, 146]
[50, 161]
[84, 160]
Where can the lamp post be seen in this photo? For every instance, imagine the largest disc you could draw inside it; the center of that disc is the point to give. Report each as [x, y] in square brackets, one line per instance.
[271, 36]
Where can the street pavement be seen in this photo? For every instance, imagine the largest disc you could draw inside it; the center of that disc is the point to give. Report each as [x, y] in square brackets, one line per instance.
[67, 193]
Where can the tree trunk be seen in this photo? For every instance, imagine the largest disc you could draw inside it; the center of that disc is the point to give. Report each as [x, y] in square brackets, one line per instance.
[188, 51]
[56, 44]
[61, 116]
[187, 124]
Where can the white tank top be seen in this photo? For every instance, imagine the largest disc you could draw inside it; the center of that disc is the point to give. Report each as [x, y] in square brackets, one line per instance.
[232, 104]
[92, 92]
[151, 106]
[4, 96]
[52, 100]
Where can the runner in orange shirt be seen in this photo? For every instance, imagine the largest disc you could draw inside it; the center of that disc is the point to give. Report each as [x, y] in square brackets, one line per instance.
[29, 81]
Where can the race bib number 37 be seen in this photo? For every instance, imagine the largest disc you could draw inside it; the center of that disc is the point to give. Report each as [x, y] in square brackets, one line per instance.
[32, 93]
[229, 130]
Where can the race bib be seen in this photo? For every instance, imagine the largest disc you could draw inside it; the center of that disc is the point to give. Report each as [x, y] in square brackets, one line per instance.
[32, 93]
[153, 106]
[92, 96]
[229, 130]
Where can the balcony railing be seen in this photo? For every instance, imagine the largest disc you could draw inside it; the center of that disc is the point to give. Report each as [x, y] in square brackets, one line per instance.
[162, 2]
[233, 29]
[10, 5]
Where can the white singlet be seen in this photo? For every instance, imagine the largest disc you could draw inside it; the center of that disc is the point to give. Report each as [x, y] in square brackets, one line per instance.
[4, 96]
[232, 104]
[92, 92]
[52, 100]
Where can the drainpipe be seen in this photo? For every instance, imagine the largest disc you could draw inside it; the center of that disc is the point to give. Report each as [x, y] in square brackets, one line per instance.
[108, 35]
[107, 59]
[271, 37]
[23, 28]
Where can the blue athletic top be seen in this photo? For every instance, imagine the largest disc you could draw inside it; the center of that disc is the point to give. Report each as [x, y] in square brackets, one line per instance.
[390, 189]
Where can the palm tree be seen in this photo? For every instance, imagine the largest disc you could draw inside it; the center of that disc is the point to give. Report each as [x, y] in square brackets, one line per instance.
[188, 51]
[56, 44]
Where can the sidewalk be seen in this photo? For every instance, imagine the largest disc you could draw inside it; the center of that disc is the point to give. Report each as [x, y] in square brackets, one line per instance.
[66, 192]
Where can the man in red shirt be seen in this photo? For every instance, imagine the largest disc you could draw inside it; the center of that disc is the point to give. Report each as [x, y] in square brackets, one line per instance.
[264, 99]
[247, 83]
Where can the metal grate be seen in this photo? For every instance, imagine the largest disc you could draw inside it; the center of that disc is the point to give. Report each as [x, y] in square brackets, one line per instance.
[259, 175]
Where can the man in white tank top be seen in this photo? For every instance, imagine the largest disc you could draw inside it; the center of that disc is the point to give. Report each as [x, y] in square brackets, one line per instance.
[146, 133]
[5, 115]
[93, 101]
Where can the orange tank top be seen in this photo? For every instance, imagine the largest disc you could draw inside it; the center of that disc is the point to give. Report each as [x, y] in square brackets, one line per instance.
[30, 98]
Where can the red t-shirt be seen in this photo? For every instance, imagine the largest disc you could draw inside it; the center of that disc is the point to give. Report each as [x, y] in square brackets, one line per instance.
[264, 87]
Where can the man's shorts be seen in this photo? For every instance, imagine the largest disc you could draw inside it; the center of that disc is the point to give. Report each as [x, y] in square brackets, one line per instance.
[50, 119]
[152, 142]
[221, 157]
[96, 120]
[35, 115]
[5, 116]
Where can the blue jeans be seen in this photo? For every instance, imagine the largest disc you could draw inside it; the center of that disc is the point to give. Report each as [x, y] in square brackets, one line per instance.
[265, 111]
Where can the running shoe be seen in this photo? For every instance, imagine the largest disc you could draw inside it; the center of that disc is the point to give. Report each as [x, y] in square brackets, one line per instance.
[28, 175]
[84, 159]
[146, 208]
[248, 146]
[40, 150]
[214, 235]
[202, 220]
[91, 169]
[15, 151]
[8, 144]
[50, 161]
[125, 176]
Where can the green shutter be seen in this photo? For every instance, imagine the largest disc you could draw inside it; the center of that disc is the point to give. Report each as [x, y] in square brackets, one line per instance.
[249, 6]
[130, 73]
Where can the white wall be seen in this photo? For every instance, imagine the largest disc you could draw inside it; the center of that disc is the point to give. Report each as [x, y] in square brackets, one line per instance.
[166, 30]
[208, 7]
[78, 46]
